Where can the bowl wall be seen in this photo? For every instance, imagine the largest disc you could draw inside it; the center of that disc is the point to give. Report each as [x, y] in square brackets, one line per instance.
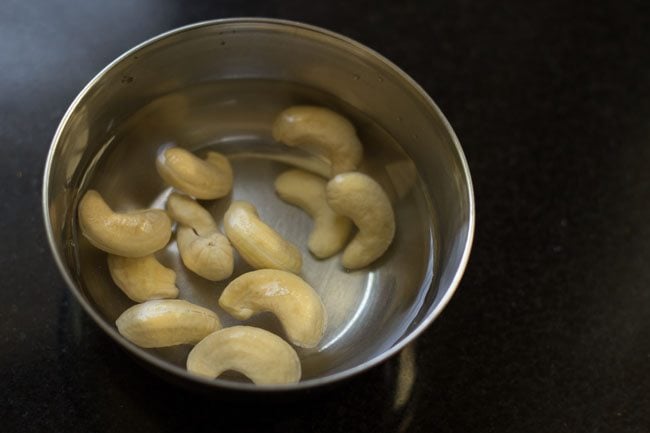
[142, 85]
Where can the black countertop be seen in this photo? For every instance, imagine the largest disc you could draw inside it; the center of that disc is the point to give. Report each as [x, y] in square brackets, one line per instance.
[550, 328]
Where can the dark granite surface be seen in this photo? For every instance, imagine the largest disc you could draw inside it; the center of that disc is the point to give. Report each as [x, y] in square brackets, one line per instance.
[550, 328]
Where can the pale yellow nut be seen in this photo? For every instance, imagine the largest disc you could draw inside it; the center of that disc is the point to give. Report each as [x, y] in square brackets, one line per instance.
[258, 244]
[295, 303]
[132, 234]
[321, 130]
[169, 322]
[263, 357]
[186, 211]
[142, 278]
[361, 199]
[307, 191]
[203, 249]
[204, 179]
[209, 256]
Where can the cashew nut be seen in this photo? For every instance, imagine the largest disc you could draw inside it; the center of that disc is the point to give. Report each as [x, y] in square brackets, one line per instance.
[289, 297]
[186, 211]
[162, 323]
[307, 191]
[263, 357]
[208, 256]
[322, 130]
[203, 249]
[142, 278]
[259, 245]
[131, 234]
[204, 179]
[360, 198]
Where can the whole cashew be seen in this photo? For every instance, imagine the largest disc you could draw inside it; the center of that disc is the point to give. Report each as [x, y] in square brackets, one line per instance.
[131, 234]
[203, 249]
[208, 256]
[289, 297]
[142, 278]
[307, 191]
[204, 179]
[259, 245]
[323, 130]
[186, 211]
[360, 198]
[169, 322]
[263, 357]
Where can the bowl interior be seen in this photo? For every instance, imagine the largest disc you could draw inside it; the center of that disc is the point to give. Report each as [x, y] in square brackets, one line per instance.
[218, 86]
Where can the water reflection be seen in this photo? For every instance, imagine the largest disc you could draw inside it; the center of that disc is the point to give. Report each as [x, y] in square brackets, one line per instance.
[405, 377]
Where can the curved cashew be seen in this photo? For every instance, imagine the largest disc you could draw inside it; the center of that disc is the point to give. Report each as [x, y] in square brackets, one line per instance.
[259, 245]
[263, 357]
[289, 297]
[203, 249]
[360, 198]
[186, 211]
[142, 278]
[204, 179]
[307, 191]
[169, 322]
[322, 130]
[131, 234]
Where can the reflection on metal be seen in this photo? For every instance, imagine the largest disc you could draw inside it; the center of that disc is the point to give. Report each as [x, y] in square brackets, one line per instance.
[360, 309]
[78, 142]
[405, 423]
[396, 174]
[405, 377]
[403, 176]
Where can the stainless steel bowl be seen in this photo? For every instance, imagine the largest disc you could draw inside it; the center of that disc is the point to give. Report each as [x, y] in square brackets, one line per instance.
[218, 85]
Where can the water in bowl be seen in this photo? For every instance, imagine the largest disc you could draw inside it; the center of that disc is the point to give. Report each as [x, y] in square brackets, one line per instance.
[368, 310]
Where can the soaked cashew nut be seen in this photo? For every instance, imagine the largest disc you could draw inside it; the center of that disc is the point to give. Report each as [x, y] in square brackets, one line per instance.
[307, 191]
[204, 179]
[132, 234]
[263, 357]
[142, 278]
[169, 322]
[322, 130]
[208, 256]
[203, 249]
[258, 244]
[360, 198]
[289, 297]
[186, 211]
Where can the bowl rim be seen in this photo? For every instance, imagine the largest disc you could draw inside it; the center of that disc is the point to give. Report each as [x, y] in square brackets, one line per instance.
[282, 25]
